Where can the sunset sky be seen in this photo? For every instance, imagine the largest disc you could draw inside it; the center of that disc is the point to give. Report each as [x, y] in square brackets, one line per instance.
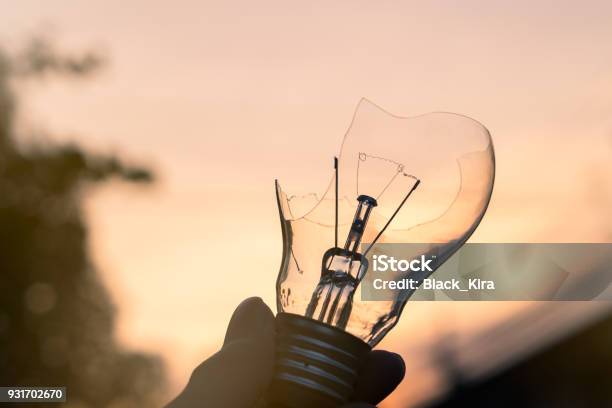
[222, 98]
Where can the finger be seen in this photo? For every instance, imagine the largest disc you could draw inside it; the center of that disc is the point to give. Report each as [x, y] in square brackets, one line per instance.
[251, 318]
[241, 371]
[381, 374]
[236, 376]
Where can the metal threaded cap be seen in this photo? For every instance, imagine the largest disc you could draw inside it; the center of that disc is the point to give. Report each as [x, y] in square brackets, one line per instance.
[316, 364]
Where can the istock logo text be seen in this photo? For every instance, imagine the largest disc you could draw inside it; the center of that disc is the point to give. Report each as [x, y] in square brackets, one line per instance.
[384, 263]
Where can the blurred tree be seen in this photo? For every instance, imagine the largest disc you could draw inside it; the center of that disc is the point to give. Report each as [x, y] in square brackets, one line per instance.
[56, 319]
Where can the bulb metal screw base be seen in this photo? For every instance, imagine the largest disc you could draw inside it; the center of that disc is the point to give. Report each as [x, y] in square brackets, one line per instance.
[316, 364]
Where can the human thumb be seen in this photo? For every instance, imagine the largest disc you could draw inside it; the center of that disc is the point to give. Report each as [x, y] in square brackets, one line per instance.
[238, 374]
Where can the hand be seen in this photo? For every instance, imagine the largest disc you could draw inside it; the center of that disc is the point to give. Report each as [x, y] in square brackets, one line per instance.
[238, 375]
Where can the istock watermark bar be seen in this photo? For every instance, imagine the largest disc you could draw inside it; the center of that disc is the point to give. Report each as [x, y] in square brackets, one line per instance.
[485, 271]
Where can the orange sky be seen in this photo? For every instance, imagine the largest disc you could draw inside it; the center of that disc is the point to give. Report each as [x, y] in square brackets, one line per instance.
[222, 98]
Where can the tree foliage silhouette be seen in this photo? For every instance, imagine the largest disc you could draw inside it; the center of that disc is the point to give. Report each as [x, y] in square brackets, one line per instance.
[56, 319]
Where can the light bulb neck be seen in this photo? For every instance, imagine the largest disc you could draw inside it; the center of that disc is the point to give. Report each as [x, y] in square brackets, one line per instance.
[316, 364]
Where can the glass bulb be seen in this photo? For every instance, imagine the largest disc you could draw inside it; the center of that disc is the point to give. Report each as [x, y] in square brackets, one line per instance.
[424, 179]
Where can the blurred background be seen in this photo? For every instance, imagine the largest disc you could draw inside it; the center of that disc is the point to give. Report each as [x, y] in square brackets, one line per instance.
[139, 143]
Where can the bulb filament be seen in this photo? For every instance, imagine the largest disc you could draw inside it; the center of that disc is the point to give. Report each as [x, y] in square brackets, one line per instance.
[343, 269]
